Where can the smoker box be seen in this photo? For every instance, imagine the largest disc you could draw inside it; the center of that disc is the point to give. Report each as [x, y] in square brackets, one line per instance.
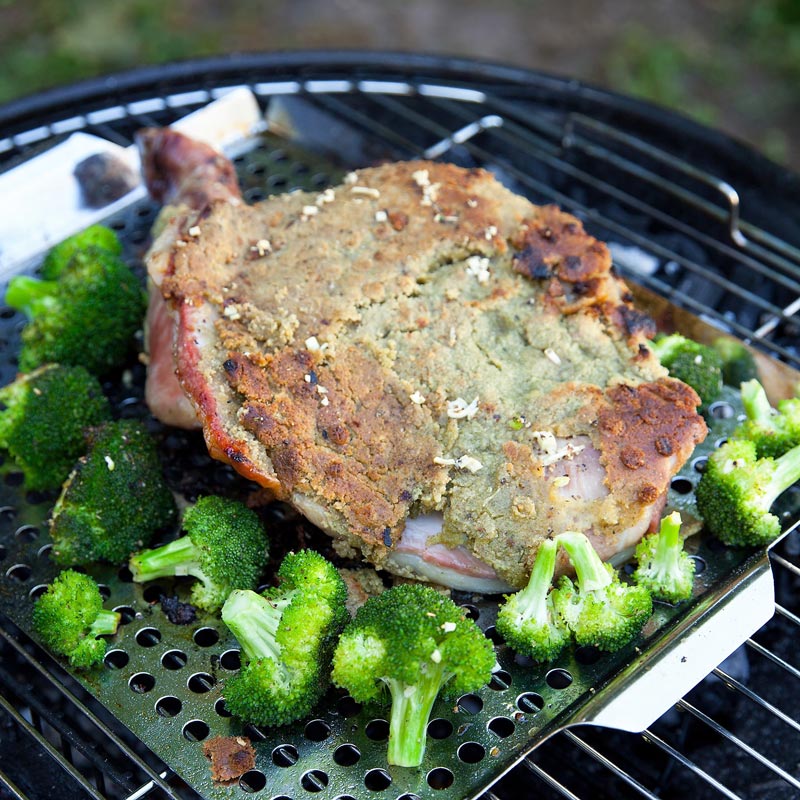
[680, 231]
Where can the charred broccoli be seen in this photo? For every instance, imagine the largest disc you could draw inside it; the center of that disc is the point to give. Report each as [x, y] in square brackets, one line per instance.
[772, 432]
[70, 616]
[664, 567]
[87, 316]
[527, 620]
[418, 644]
[738, 364]
[691, 362]
[56, 261]
[225, 548]
[42, 424]
[601, 610]
[287, 638]
[114, 500]
[737, 490]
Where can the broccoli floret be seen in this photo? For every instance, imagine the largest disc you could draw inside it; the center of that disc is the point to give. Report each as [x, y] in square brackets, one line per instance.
[738, 364]
[114, 500]
[664, 567]
[773, 433]
[418, 644]
[70, 616]
[42, 424]
[55, 262]
[601, 610]
[691, 362]
[737, 490]
[225, 548]
[88, 316]
[527, 620]
[287, 638]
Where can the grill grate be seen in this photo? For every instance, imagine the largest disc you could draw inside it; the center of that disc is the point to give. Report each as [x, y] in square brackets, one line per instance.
[674, 227]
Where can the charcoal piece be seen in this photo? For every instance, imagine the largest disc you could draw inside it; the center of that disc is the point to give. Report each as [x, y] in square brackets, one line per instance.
[103, 178]
[176, 612]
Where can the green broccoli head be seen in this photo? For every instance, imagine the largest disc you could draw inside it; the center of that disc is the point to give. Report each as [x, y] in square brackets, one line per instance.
[225, 548]
[601, 610]
[70, 616]
[737, 490]
[772, 432]
[56, 261]
[738, 363]
[693, 363]
[88, 316]
[528, 620]
[664, 567]
[115, 499]
[287, 637]
[45, 416]
[418, 644]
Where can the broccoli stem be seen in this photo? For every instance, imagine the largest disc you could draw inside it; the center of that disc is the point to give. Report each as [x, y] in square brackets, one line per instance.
[411, 710]
[30, 295]
[592, 572]
[755, 402]
[254, 621]
[668, 549]
[175, 558]
[105, 624]
[787, 472]
[532, 600]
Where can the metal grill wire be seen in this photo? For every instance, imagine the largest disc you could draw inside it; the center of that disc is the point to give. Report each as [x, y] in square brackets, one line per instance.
[734, 740]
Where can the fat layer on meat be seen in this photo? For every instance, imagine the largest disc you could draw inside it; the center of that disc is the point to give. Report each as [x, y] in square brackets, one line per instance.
[421, 340]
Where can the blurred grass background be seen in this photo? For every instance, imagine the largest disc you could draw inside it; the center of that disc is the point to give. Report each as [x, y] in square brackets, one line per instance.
[730, 63]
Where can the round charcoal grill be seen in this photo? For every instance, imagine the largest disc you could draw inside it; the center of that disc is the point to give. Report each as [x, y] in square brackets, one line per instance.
[690, 215]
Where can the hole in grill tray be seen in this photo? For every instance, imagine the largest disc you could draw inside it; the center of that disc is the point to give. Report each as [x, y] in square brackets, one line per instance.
[152, 594]
[440, 778]
[471, 752]
[196, 730]
[470, 703]
[348, 707]
[501, 726]
[699, 464]
[409, 797]
[440, 728]
[19, 572]
[230, 660]
[500, 681]
[317, 730]
[587, 654]
[148, 637]
[530, 703]
[168, 706]
[205, 637]
[105, 591]
[126, 614]
[174, 659]
[27, 533]
[36, 498]
[493, 636]
[681, 485]
[252, 781]
[377, 730]
[558, 679]
[125, 575]
[699, 565]
[116, 659]
[346, 755]
[315, 780]
[201, 682]
[2, 552]
[141, 682]
[37, 591]
[376, 780]
[44, 551]
[14, 479]
[221, 709]
[285, 755]
[721, 410]
[471, 611]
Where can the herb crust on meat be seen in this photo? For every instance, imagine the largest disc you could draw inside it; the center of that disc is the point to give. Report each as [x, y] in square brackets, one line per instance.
[421, 340]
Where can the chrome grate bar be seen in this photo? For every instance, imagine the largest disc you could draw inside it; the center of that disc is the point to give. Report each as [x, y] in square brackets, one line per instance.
[549, 779]
[751, 751]
[609, 765]
[785, 665]
[7, 785]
